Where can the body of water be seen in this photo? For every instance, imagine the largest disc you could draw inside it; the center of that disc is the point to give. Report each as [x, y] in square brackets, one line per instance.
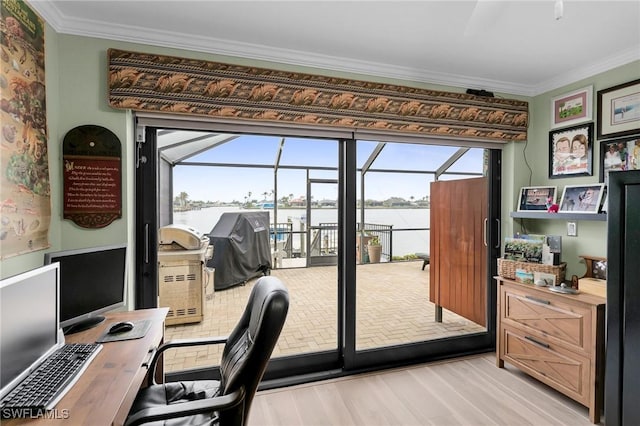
[404, 242]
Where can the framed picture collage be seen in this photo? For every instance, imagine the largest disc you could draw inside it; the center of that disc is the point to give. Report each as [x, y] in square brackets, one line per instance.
[576, 140]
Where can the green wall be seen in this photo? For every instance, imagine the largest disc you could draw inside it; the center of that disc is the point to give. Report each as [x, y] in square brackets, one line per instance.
[591, 238]
[76, 76]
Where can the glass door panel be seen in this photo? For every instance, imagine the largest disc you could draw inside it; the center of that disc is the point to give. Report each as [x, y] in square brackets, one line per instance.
[394, 296]
[298, 192]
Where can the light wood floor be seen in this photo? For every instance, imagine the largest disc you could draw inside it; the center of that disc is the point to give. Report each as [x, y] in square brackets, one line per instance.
[467, 391]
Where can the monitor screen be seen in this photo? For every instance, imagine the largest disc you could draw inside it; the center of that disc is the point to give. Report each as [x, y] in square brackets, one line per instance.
[28, 323]
[92, 281]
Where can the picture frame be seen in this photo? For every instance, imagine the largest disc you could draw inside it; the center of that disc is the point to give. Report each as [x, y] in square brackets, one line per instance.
[619, 155]
[619, 110]
[582, 198]
[571, 151]
[605, 203]
[572, 108]
[523, 249]
[544, 279]
[536, 197]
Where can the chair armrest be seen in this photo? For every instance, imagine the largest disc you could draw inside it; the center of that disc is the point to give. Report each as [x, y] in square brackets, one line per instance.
[219, 403]
[181, 343]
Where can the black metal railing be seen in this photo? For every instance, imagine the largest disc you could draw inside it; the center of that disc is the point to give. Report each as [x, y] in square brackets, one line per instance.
[324, 240]
[384, 234]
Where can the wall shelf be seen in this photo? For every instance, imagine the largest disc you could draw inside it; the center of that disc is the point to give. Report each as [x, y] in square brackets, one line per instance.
[602, 217]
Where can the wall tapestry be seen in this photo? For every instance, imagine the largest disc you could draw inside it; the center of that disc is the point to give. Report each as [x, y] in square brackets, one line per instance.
[157, 83]
[24, 180]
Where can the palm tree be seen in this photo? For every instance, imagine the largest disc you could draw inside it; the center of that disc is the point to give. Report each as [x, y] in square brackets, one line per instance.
[183, 197]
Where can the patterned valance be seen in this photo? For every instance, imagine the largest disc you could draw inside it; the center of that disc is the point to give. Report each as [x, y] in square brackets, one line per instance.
[158, 83]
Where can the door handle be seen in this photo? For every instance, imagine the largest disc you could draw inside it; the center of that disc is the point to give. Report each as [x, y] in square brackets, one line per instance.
[535, 299]
[146, 243]
[484, 232]
[531, 339]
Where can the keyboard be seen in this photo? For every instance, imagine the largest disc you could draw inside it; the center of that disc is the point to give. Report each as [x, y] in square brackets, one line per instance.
[46, 385]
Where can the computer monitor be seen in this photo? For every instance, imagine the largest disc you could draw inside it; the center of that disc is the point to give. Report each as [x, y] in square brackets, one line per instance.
[92, 281]
[29, 330]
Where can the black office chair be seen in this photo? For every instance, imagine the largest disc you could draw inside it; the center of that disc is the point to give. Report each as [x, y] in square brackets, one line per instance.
[244, 359]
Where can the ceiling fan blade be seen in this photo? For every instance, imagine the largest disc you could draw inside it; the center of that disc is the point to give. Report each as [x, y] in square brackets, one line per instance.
[485, 15]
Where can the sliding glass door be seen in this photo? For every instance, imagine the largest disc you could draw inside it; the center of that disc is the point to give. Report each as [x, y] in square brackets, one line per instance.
[398, 310]
[349, 234]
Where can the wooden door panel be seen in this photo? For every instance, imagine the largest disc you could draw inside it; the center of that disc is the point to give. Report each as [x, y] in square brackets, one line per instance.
[458, 254]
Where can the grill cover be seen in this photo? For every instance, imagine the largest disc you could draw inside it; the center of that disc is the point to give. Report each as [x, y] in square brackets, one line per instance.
[241, 248]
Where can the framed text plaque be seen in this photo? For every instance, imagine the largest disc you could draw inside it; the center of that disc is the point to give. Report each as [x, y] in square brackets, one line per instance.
[92, 175]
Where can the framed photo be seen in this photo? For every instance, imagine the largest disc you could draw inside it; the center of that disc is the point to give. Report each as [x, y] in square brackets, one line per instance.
[544, 279]
[572, 108]
[523, 249]
[571, 151]
[619, 110]
[536, 197]
[619, 155]
[582, 198]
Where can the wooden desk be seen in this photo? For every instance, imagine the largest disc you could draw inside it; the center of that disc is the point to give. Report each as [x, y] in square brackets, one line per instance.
[106, 390]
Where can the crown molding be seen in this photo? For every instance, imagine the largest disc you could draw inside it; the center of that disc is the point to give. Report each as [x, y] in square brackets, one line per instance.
[89, 28]
[602, 65]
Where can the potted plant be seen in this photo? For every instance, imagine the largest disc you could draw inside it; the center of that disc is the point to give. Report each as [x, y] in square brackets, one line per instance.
[362, 242]
[375, 249]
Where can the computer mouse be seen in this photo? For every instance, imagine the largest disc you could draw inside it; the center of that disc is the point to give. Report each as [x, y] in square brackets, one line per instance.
[121, 327]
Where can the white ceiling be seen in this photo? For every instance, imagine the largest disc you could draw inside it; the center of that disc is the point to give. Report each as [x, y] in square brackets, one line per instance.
[515, 47]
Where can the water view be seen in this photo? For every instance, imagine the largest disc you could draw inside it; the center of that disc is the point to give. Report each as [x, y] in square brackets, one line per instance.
[404, 242]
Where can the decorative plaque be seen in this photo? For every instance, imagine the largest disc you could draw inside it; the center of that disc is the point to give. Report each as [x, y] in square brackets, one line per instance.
[92, 176]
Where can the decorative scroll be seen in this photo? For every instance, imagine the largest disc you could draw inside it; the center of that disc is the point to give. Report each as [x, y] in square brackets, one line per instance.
[24, 166]
[92, 176]
[158, 83]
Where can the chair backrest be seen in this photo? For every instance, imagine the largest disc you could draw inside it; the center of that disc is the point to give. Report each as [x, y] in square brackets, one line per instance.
[250, 344]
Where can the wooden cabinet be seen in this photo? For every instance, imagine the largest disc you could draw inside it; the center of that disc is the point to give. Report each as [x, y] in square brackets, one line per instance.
[556, 338]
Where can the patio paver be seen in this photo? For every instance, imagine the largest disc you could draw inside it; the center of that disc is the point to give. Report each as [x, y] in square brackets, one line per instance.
[392, 308]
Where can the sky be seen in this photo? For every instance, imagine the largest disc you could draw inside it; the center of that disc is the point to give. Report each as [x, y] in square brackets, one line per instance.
[205, 183]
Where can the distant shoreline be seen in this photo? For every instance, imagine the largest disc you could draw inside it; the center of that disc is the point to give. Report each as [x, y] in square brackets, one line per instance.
[186, 209]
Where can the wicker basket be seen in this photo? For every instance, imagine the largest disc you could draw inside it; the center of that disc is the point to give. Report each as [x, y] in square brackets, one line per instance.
[507, 269]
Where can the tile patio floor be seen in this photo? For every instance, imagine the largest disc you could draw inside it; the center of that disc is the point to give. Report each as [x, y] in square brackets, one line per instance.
[392, 307]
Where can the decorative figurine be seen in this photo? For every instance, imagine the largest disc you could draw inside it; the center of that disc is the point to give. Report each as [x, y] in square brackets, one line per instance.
[574, 282]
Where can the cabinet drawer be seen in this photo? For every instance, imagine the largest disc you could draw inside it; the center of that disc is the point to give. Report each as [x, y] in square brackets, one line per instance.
[565, 371]
[549, 316]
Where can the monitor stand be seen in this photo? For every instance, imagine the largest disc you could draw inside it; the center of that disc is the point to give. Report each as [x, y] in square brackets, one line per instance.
[85, 324]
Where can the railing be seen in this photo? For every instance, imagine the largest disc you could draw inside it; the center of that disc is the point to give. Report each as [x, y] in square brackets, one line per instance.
[384, 234]
[282, 239]
[324, 240]
[327, 234]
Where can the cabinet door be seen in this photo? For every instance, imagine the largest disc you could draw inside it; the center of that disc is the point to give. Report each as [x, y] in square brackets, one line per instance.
[562, 323]
[564, 370]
